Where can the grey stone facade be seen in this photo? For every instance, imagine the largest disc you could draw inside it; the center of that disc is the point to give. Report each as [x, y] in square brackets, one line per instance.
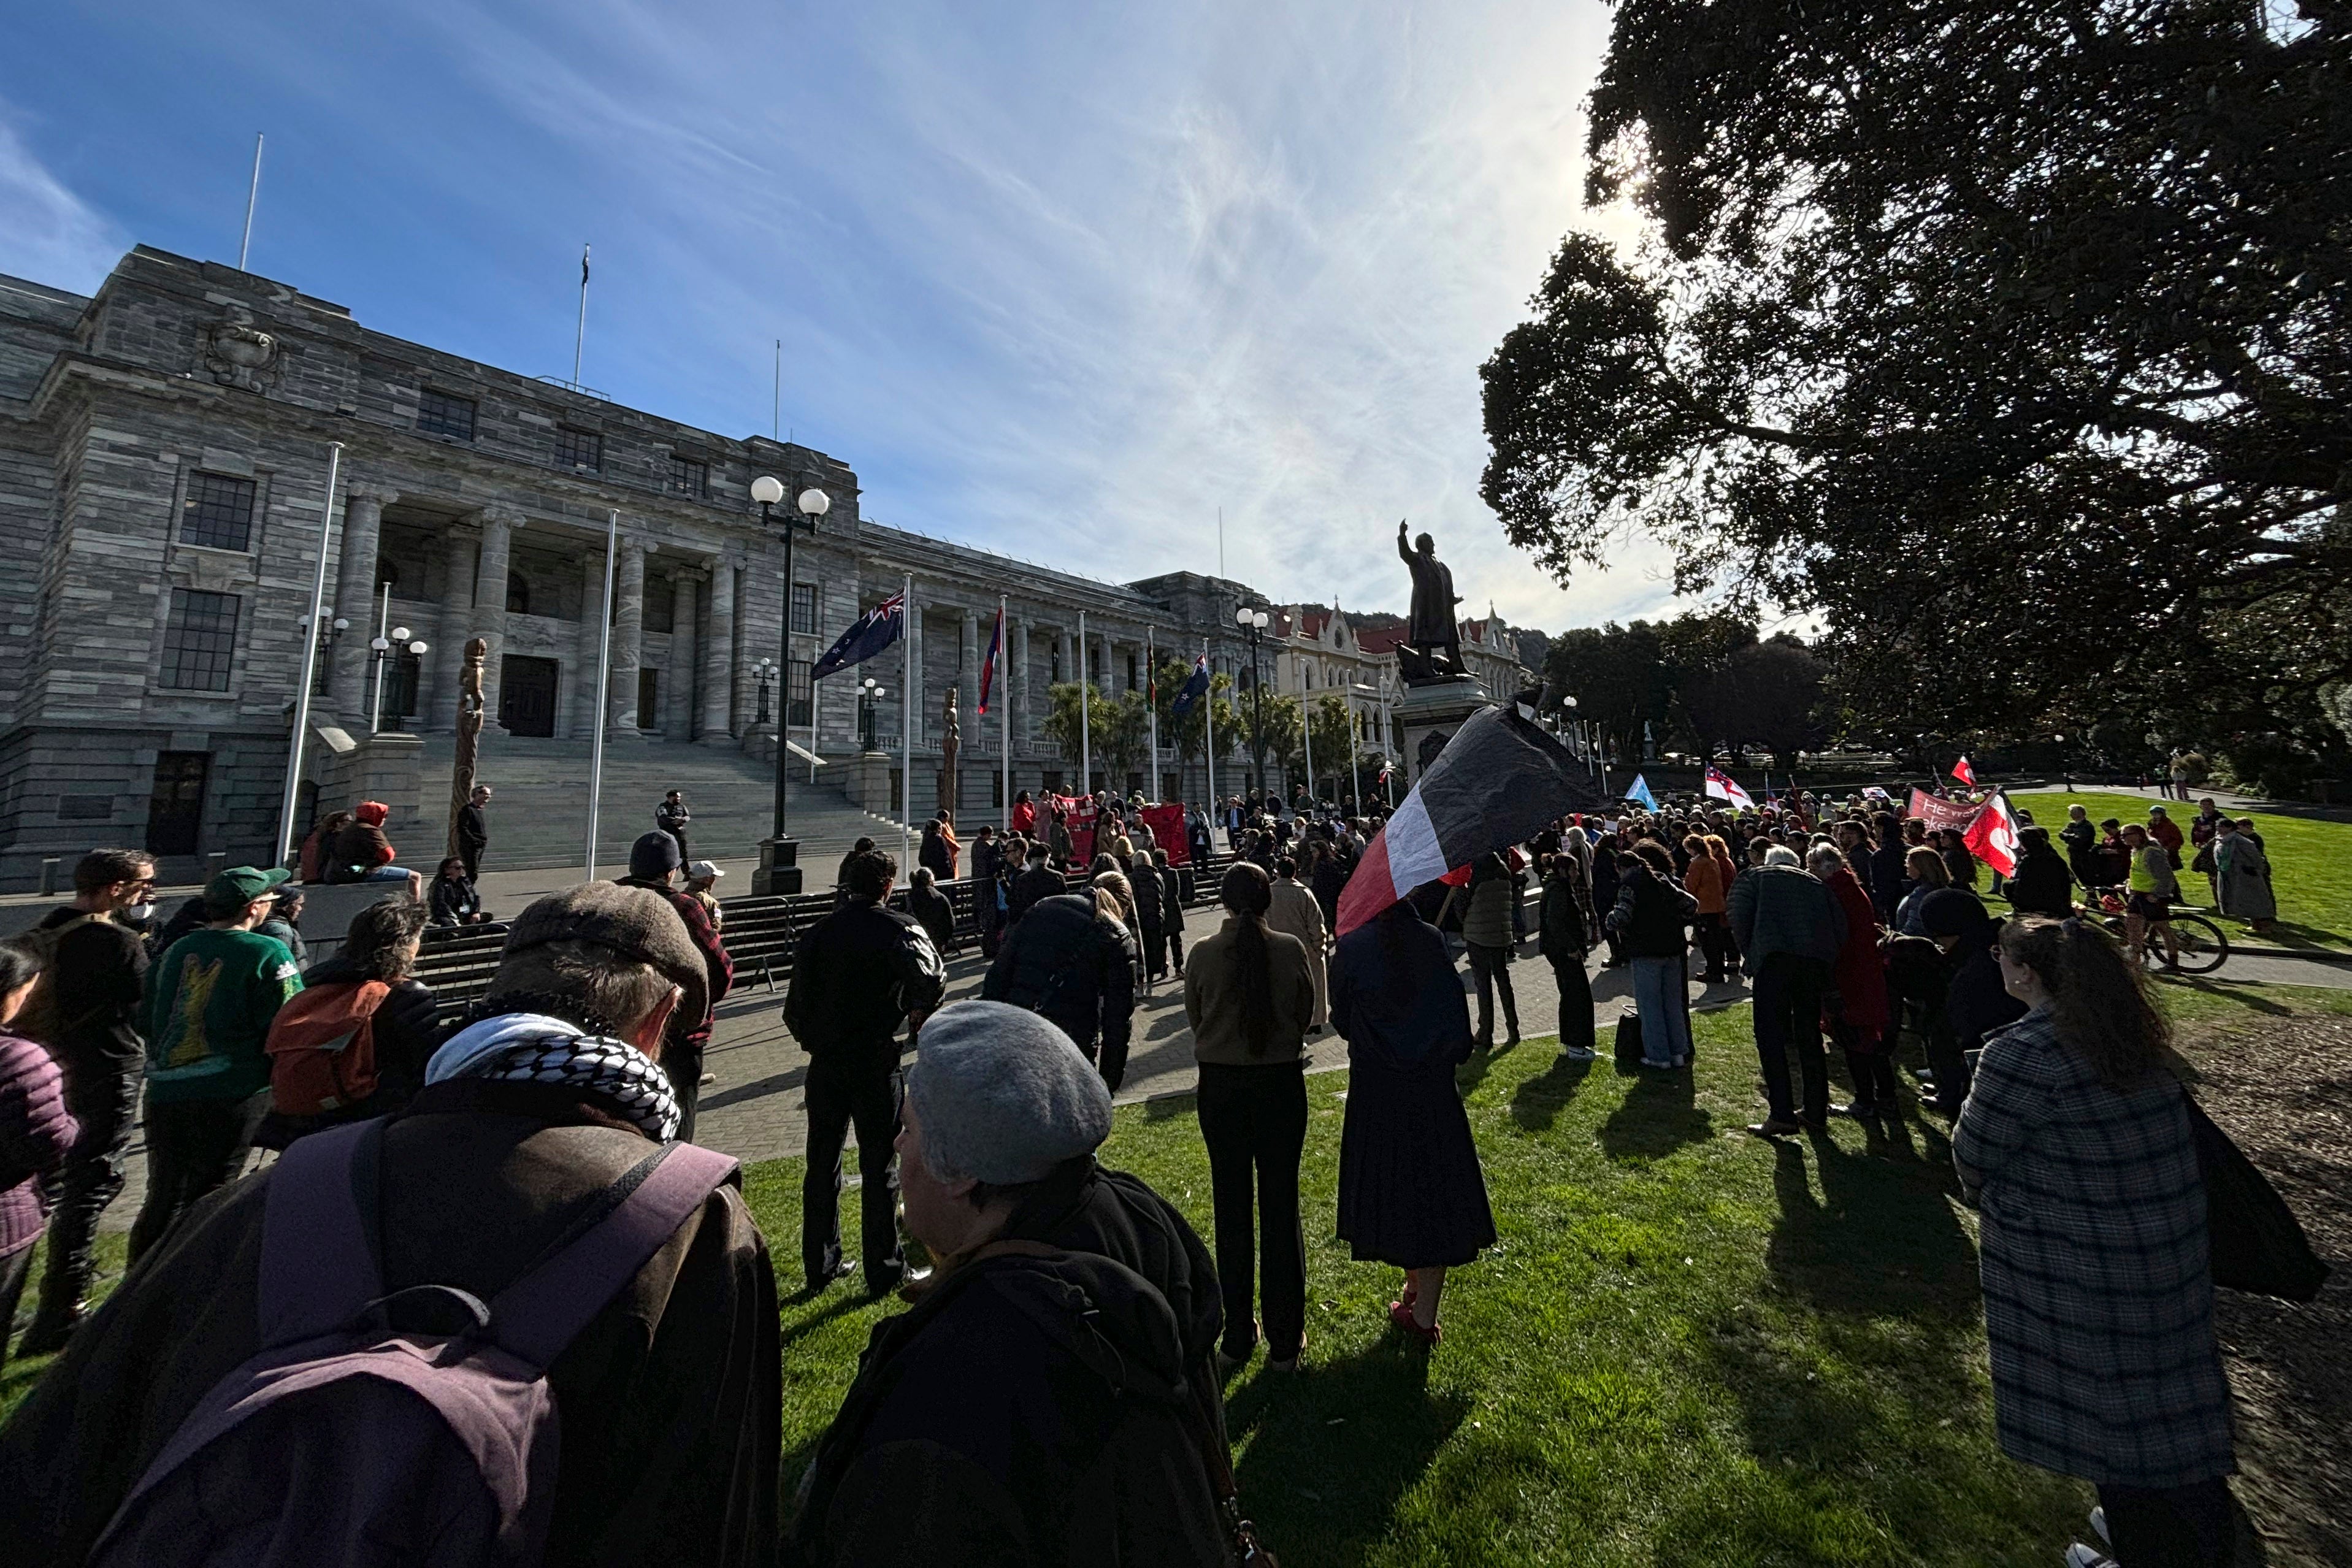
[163, 463]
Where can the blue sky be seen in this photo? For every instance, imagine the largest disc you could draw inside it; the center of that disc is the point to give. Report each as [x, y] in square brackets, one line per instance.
[1059, 280]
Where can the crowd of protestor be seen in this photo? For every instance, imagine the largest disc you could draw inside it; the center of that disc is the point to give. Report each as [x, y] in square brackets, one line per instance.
[501, 1199]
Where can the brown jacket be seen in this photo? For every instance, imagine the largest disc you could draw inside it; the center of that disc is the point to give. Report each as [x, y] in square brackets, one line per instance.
[670, 1400]
[1212, 999]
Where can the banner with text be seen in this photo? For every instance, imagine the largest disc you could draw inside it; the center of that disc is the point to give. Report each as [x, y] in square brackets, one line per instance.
[1940, 814]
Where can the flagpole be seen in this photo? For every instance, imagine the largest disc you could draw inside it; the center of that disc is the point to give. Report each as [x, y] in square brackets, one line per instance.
[1152, 701]
[1307, 735]
[252, 195]
[1208, 742]
[603, 678]
[1355, 750]
[580, 337]
[906, 720]
[1085, 713]
[310, 658]
[1005, 680]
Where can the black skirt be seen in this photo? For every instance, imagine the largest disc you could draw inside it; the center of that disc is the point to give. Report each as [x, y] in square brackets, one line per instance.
[1411, 1192]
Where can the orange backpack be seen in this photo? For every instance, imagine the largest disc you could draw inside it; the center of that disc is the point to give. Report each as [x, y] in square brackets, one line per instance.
[322, 1048]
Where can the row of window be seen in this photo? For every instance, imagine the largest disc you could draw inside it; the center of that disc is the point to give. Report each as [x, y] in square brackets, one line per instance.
[446, 414]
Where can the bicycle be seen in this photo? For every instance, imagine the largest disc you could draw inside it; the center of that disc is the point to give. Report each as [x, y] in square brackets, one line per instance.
[2201, 948]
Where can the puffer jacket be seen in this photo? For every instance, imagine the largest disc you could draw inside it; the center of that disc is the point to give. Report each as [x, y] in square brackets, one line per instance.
[36, 1132]
[1069, 966]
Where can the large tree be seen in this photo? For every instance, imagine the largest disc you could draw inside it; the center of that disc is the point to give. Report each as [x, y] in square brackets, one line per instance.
[2014, 338]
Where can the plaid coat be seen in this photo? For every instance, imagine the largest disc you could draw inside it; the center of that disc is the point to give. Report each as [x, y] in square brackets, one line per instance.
[2097, 1293]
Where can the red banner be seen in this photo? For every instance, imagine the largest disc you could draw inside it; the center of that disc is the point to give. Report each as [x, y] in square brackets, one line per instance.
[1939, 814]
[1168, 833]
[1078, 815]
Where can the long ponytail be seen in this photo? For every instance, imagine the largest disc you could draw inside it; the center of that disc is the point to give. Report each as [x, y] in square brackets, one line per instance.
[1247, 895]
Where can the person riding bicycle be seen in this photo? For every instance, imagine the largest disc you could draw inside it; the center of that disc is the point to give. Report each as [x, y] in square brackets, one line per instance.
[2153, 889]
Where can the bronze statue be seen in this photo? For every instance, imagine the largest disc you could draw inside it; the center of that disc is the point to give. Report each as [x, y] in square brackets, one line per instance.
[469, 732]
[952, 743]
[1432, 649]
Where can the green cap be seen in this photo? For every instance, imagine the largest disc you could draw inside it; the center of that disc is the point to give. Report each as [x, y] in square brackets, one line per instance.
[238, 886]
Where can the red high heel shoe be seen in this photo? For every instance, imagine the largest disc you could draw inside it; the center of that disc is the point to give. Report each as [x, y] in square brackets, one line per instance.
[1400, 1315]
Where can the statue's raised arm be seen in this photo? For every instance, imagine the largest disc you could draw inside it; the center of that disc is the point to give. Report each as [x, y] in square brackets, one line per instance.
[1431, 629]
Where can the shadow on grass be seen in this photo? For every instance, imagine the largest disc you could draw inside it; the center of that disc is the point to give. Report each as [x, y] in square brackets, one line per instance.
[1657, 1116]
[2234, 994]
[1473, 1072]
[1167, 1107]
[1879, 1240]
[1538, 1101]
[1331, 1451]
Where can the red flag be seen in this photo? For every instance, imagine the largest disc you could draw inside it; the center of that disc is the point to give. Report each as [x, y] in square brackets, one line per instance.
[988, 665]
[1992, 836]
[1966, 774]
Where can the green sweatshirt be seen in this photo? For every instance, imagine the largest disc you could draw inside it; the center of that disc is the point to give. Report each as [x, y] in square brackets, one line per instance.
[209, 1005]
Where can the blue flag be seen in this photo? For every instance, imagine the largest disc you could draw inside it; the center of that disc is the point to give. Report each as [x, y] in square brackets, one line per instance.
[875, 630]
[1194, 689]
[1641, 792]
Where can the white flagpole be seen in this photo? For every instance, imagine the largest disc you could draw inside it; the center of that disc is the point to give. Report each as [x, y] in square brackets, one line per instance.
[580, 337]
[604, 679]
[1004, 705]
[1085, 713]
[1209, 742]
[1152, 695]
[906, 720]
[310, 658]
[252, 195]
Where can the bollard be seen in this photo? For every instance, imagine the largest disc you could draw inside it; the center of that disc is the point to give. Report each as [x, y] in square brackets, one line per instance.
[49, 876]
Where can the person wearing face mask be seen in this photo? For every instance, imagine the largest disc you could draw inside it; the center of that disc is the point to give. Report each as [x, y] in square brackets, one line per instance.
[90, 1018]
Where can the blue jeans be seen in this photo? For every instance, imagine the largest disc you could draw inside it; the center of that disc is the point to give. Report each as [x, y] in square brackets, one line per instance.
[1659, 997]
[388, 871]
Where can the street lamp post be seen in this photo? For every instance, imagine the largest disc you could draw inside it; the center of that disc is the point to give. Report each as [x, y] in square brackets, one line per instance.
[763, 671]
[780, 871]
[869, 693]
[1253, 623]
[330, 633]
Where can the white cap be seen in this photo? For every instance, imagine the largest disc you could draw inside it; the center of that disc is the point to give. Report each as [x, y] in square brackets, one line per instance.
[695, 869]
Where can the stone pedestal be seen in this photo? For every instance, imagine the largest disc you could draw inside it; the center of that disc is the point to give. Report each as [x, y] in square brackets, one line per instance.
[779, 872]
[349, 769]
[867, 784]
[1429, 714]
[758, 742]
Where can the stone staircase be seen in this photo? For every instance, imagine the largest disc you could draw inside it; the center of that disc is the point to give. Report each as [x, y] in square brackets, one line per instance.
[539, 813]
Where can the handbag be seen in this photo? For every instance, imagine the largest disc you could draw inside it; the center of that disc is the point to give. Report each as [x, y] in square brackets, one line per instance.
[2256, 1243]
[1629, 1040]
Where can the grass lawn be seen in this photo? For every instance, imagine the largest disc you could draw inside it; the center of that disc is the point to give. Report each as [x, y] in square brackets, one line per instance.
[1690, 1346]
[2310, 863]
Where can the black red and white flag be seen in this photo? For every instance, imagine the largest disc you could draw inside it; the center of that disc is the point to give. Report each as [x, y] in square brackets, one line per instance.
[988, 665]
[1499, 782]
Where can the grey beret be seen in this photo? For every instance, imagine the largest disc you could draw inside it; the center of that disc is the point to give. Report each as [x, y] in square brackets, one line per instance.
[1002, 1096]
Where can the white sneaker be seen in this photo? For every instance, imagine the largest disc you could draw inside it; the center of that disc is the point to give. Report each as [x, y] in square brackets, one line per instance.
[2099, 1525]
[2081, 1556]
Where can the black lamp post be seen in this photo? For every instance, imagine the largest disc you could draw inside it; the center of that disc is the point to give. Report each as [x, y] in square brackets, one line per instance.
[763, 670]
[779, 871]
[869, 693]
[1254, 623]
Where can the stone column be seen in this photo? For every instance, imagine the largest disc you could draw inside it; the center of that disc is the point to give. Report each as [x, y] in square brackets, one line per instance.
[628, 627]
[455, 625]
[1063, 643]
[719, 658]
[498, 523]
[583, 704]
[355, 594]
[677, 702]
[1021, 650]
[968, 681]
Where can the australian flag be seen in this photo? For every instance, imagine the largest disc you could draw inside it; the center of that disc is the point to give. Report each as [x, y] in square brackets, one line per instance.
[1194, 689]
[875, 630]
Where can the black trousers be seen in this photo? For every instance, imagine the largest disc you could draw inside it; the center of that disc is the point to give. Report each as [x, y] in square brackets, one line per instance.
[1575, 1002]
[1154, 952]
[1254, 1119]
[472, 855]
[13, 1269]
[684, 854]
[1491, 967]
[853, 1086]
[1174, 937]
[681, 1063]
[1871, 1066]
[106, 1103]
[1788, 1009]
[1715, 942]
[194, 1146]
[2176, 1527]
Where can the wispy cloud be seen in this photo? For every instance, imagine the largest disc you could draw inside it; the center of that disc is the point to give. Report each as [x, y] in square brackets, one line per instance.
[48, 233]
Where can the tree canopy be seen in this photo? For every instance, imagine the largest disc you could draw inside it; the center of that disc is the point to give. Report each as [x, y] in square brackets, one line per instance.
[2014, 338]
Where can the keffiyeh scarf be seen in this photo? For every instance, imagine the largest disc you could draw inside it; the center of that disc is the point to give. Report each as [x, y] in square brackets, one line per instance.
[531, 1048]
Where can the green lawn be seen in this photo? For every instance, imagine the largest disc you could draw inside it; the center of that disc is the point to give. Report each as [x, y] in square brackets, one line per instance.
[1690, 1347]
[2310, 863]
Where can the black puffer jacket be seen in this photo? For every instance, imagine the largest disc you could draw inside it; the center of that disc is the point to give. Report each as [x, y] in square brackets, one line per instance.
[1028, 1410]
[856, 975]
[1033, 887]
[1069, 966]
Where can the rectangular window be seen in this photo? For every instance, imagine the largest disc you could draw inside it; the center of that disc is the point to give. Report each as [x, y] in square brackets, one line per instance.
[175, 811]
[218, 513]
[1133, 685]
[805, 609]
[198, 641]
[689, 475]
[800, 701]
[443, 413]
[578, 448]
[997, 786]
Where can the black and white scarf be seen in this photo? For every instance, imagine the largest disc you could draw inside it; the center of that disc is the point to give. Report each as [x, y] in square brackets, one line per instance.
[531, 1048]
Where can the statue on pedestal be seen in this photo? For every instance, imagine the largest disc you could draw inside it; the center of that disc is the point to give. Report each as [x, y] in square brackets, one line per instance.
[1432, 649]
[950, 744]
[469, 732]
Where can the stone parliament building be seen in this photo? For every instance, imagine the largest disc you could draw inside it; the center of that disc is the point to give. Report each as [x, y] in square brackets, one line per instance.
[164, 464]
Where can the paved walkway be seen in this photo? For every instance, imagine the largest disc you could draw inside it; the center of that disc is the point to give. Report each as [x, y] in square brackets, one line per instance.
[753, 1111]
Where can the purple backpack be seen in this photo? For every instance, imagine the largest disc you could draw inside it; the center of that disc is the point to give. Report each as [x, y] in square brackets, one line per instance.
[415, 1427]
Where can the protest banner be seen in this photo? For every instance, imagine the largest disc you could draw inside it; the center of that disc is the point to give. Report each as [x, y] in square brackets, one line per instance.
[1939, 814]
[1168, 833]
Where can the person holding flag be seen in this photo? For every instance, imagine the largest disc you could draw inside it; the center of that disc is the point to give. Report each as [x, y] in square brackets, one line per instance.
[1964, 773]
[1719, 787]
[1641, 792]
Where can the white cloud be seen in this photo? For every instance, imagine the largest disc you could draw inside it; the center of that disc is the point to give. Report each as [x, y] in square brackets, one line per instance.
[46, 233]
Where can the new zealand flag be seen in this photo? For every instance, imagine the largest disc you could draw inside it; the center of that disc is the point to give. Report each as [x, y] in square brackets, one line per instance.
[1194, 689]
[875, 630]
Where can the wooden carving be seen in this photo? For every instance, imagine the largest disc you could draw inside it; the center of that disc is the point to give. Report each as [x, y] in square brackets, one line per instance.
[469, 732]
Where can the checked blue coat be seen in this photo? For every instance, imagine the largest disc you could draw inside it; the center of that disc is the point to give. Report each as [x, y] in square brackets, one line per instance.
[2098, 1296]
